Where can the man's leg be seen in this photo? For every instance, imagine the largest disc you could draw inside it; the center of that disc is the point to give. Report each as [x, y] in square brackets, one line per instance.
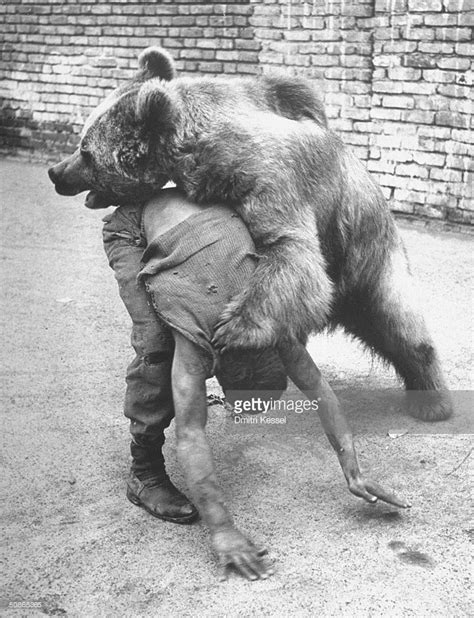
[148, 398]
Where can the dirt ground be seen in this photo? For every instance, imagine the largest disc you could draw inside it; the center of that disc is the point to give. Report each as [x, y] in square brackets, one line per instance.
[73, 545]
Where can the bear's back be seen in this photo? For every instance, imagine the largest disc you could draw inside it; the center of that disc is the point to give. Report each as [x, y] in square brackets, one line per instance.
[290, 97]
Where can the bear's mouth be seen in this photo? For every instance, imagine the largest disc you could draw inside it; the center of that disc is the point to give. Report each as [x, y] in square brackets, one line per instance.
[95, 201]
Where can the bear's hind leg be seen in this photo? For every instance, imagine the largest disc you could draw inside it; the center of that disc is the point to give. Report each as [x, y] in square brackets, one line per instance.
[386, 318]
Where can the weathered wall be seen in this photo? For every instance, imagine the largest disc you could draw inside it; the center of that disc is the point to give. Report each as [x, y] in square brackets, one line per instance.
[395, 75]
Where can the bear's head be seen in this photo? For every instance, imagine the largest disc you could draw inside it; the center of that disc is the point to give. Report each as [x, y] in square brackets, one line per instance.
[115, 161]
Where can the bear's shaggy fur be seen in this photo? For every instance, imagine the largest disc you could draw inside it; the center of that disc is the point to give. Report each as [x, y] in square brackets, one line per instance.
[330, 251]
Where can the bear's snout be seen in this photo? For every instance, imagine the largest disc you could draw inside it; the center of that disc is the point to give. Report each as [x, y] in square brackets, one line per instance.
[70, 176]
[53, 175]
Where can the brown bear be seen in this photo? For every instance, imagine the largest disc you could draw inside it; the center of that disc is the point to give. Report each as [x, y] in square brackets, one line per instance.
[330, 252]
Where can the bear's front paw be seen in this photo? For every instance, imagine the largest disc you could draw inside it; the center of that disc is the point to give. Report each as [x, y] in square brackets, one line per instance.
[239, 330]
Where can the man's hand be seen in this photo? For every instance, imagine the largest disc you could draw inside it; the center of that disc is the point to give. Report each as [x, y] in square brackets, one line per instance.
[233, 549]
[372, 491]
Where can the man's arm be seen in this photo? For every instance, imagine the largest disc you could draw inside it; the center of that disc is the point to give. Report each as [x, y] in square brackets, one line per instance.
[307, 377]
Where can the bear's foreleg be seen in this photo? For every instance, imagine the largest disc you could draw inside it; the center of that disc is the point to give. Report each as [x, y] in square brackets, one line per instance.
[290, 291]
[289, 295]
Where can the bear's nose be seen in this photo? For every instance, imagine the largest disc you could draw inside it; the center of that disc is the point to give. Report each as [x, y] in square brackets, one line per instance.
[52, 175]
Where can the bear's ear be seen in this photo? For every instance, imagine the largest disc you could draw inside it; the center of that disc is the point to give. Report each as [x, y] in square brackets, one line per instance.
[156, 62]
[156, 110]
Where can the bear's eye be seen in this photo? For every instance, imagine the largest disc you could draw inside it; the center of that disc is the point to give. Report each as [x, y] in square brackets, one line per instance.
[86, 155]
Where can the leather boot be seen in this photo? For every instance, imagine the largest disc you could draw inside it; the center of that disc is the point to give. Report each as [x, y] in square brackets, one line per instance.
[149, 486]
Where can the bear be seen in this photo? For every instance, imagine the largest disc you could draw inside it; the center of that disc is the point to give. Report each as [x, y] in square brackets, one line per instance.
[330, 253]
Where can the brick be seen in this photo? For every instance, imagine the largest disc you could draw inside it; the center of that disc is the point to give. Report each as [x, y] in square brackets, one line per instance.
[357, 139]
[428, 211]
[355, 113]
[435, 103]
[430, 6]
[342, 100]
[407, 20]
[355, 87]
[436, 48]
[207, 44]
[453, 34]
[386, 86]
[452, 119]
[402, 156]
[462, 135]
[419, 34]
[467, 19]
[362, 100]
[457, 64]
[398, 101]
[357, 61]
[460, 163]
[388, 34]
[438, 76]
[385, 114]
[297, 35]
[464, 106]
[210, 67]
[465, 49]
[402, 195]
[347, 74]
[441, 19]
[248, 69]
[271, 58]
[322, 61]
[341, 124]
[248, 45]
[459, 216]
[381, 166]
[445, 174]
[453, 90]
[230, 55]
[404, 74]
[391, 6]
[440, 199]
[421, 61]
[455, 5]
[386, 60]
[420, 117]
[404, 207]
[458, 148]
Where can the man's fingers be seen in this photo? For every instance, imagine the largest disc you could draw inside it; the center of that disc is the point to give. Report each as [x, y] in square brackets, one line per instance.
[247, 564]
[359, 490]
[386, 496]
[241, 564]
[257, 565]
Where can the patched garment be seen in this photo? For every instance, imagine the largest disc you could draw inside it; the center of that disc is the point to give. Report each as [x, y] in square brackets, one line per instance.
[191, 272]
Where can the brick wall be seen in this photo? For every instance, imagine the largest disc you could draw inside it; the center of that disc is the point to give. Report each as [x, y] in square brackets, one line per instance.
[395, 75]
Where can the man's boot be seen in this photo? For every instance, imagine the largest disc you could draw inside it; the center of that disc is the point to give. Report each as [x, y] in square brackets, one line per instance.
[149, 486]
